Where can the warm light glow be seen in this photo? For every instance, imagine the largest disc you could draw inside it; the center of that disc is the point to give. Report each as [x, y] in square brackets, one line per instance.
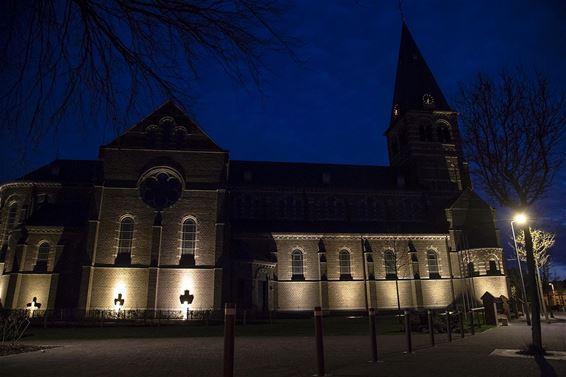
[520, 219]
[117, 307]
[120, 287]
[185, 310]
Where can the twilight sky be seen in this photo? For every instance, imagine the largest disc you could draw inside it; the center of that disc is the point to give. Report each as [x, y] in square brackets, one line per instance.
[335, 105]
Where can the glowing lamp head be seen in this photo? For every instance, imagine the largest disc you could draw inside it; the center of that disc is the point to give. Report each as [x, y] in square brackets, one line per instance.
[520, 219]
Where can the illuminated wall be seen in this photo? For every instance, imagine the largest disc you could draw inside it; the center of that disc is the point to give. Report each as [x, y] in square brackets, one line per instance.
[108, 282]
[298, 295]
[201, 283]
[346, 295]
[33, 285]
[4, 280]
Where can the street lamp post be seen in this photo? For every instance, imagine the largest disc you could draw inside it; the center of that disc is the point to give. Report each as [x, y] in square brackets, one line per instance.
[521, 219]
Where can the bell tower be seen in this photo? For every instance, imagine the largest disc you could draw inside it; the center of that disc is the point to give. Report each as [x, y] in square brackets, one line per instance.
[423, 139]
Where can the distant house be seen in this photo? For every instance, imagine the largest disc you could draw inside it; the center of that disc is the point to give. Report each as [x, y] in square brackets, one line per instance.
[164, 210]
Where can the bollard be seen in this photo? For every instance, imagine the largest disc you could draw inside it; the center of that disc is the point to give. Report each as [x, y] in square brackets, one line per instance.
[448, 326]
[408, 332]
[373, 335]
[430, 328]
[461, 318]
[229, 325]
[472, 329]
[319, 341]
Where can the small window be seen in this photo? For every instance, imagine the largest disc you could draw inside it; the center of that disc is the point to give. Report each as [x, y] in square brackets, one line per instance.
[471, 269]
[42, 257]
[493, 268]
[390, 264]
[297, 265]
[344, 261]
[432, 260]
[125, 238]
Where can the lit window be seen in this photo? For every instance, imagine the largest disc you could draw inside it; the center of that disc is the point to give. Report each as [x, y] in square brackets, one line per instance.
[188, 237]
[432, 260]
[126, 236]
[344, 260]
[297, 264]
[390, 264]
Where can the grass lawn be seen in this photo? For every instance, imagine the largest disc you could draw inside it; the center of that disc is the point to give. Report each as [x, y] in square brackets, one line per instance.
[281, 327]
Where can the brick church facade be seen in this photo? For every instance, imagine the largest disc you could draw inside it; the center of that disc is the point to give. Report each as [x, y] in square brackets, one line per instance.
[164, 210]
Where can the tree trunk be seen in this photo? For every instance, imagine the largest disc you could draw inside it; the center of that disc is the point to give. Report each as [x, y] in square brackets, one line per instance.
[536, 346]
[398, 302]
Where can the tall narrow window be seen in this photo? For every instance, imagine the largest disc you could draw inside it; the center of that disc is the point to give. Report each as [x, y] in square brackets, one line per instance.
[188, 241]
[188, 237]
[297, 265]
[432, 260]
[42, 257]
[344, 262]
[390, 264]
[125, 238]
[11, 219]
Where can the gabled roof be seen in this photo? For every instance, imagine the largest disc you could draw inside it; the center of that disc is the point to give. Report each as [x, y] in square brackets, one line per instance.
[160, 130]
[469, 199]
[414, 78]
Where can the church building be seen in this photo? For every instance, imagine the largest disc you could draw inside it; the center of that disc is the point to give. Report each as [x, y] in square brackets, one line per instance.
[164, 214]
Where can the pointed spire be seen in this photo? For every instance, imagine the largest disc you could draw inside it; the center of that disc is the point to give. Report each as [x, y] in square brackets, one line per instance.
[415, 85]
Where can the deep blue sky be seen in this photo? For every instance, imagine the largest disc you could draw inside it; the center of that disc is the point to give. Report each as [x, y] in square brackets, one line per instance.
[335, 106]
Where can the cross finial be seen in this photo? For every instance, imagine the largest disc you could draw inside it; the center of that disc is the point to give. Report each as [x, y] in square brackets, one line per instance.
[401, 10]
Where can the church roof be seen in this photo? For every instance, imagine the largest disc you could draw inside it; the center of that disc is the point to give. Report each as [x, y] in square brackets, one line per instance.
[414, 78]
[289, 174]
[66, 171]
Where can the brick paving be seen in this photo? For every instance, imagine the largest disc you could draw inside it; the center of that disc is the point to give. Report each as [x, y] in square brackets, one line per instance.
[289, 356]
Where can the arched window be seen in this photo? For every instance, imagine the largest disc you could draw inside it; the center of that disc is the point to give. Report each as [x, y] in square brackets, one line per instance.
[297, 265]
[12, 216]
[188, 242]
[493, 267]
[43, 252]
[432, 261]
[344, 262]
[125, 237]
[11, 219]
[390, 264]
[42, 257]
[188, 237]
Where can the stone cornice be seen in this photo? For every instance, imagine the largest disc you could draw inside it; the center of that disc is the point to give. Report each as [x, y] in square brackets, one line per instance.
[346, 236]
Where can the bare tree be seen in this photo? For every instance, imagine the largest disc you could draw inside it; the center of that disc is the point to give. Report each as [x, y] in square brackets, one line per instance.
[542, 243]
[513, 128]
[397, 261]
[94, 56]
